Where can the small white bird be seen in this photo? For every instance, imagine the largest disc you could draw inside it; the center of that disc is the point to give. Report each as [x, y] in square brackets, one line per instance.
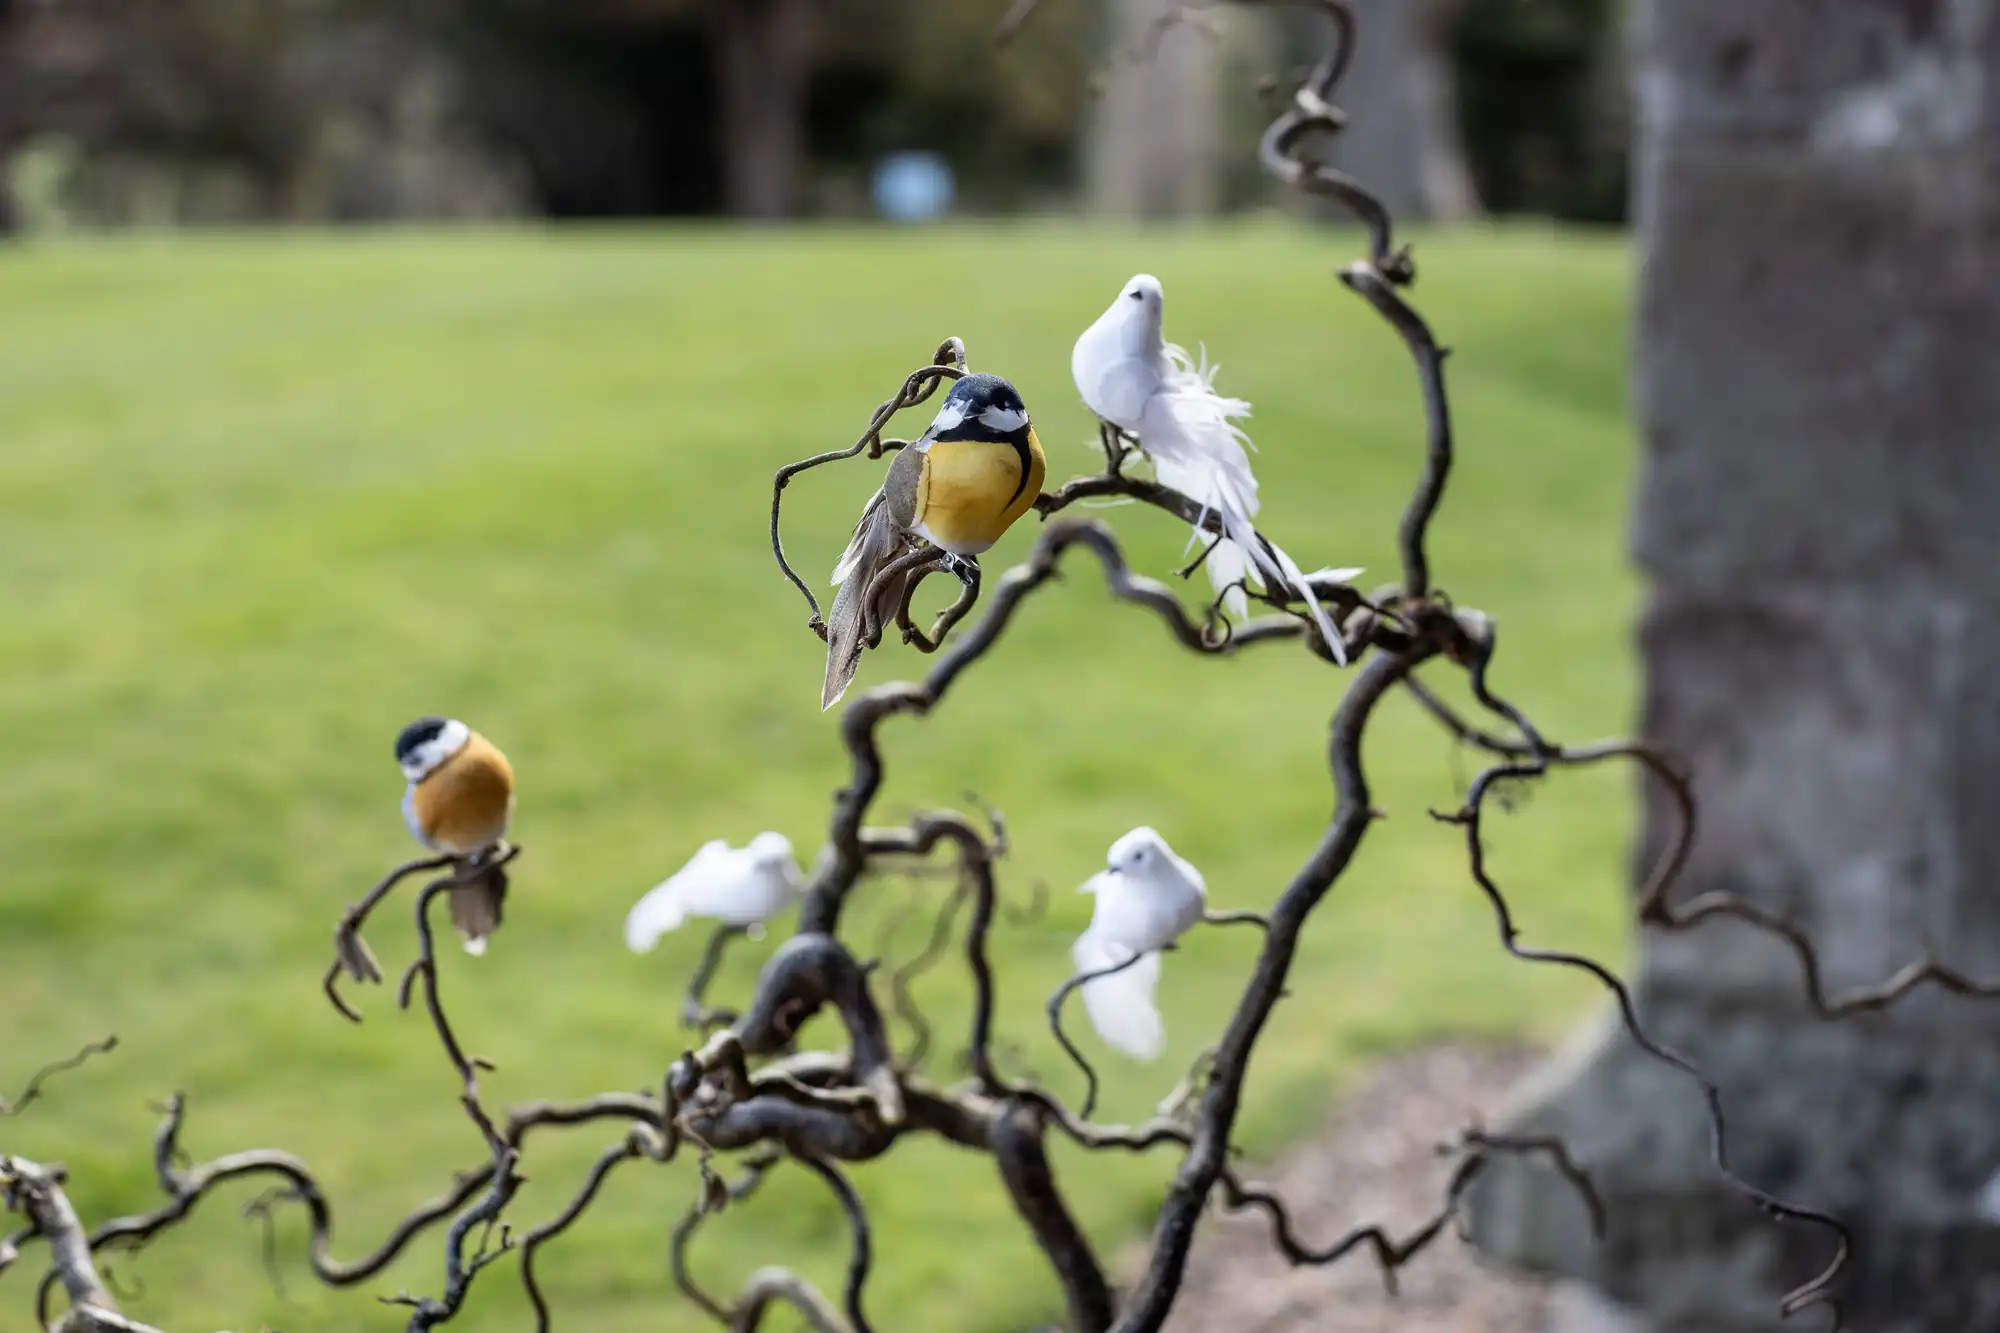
[1147, 897]
[1132, 377]
[739, 887]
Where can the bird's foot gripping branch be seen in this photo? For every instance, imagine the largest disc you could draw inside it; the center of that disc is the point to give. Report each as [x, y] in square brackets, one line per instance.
[746, 1102]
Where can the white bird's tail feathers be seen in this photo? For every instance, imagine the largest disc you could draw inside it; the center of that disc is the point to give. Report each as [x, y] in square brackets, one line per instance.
[1198, 449]
[665, 907]
[654, 915]
[1121, 1005]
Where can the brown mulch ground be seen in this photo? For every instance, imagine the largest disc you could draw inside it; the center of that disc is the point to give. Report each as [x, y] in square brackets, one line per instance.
[1376, 1161]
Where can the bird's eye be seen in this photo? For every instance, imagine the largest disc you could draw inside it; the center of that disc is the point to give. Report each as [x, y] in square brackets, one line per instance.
[1136, 294]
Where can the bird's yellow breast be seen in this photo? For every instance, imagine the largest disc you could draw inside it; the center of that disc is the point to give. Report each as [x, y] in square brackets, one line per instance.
[464, 805]
[973, 491]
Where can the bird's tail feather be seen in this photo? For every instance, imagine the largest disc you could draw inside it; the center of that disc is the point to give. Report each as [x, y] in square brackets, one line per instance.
[1121, 1005]
[654, 915]
[1227, 564]
[1280, 570]
[475, 907]
[1274, 566]
[877, 540]
[843, 569]
[1228, 567]
[1187, 378]
[1195, 444]
[1329, 631]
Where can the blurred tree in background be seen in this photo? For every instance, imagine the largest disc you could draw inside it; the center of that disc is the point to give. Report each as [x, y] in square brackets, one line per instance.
[116, 112]
[769, 108]
[898, 74]
[1405, 139]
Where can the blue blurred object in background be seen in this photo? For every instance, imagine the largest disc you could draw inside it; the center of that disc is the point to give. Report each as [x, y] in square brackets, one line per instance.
[913, 187]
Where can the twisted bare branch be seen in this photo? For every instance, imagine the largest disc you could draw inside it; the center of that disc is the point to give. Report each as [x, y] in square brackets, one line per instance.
[716, 1195]
[901, 978]
[780, 1286]
[1017, 1132]
[1207, 1155]
[862, 1254]
[975, 861]
[36, 1192]
[351, 954]
[695, 1011]
[947, 364]
[1469, 818]
[639, 1141]
[39, 1079]
[1055, 1008]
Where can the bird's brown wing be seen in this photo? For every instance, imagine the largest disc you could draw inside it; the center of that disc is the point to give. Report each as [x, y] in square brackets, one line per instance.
[903, 488]
[878, 539]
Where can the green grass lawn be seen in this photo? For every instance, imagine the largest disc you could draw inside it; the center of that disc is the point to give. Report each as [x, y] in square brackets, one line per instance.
[266, 499]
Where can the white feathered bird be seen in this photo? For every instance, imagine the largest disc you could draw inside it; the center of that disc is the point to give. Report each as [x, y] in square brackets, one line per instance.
[736, 886]
[1132, 377]
[1147, 897]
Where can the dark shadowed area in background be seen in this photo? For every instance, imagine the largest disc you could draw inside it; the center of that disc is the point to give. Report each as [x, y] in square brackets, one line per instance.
[118, 112]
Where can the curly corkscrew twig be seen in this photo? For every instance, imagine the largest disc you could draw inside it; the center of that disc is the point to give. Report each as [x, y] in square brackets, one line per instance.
[947, 364]
[39, 1079]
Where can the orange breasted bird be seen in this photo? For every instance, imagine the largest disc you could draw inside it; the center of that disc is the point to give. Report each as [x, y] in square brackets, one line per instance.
[959, 486]
[459, 801]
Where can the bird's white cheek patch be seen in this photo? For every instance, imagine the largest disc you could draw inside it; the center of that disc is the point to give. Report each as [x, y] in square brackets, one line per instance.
[949, 418]
[431, 755]
[1003, 420]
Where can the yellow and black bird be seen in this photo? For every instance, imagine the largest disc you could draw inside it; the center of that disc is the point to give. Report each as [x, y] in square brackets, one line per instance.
[459, 801]
[959, 487]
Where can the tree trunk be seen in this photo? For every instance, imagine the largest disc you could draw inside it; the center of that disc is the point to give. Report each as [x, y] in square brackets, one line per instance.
[763, 55]
[1152, 140]
[1402, 139]
[1819, 517]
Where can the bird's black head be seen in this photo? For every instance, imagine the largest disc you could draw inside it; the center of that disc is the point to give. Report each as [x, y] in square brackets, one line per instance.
[418, 734]
[982, 407]
[426, 743]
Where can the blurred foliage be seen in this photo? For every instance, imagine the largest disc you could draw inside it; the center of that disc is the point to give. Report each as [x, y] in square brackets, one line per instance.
[1542, 106]
[239, 110]
[358, 108]
[897, 75]
[890, 75]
